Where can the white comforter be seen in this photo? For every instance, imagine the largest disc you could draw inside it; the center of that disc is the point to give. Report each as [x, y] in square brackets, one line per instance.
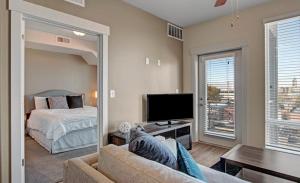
[56, 123]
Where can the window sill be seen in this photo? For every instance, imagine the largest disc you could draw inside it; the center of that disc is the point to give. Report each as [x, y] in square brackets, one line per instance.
[282, 150]
[221, 135]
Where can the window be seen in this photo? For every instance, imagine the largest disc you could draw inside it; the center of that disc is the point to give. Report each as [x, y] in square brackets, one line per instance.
[218, 93]
[283, 84]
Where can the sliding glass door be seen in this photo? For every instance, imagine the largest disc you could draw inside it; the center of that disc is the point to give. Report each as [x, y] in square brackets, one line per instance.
[217, 91]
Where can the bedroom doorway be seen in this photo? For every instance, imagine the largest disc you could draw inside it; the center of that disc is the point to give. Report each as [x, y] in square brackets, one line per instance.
[61, 91]
[24, 15]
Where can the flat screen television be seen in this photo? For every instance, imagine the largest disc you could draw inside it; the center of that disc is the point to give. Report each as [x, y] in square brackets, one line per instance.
[168, 107]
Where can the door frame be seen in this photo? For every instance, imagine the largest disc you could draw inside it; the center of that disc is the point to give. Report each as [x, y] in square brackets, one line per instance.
[217, 48]
[21, 9]
[202, 77]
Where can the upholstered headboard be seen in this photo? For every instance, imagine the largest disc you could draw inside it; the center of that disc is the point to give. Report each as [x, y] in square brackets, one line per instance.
[29, 99]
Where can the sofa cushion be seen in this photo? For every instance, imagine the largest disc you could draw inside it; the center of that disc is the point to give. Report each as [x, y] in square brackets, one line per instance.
[123, 166]
[77, 171]
[214, 176]
[151, 148]
[187, 164]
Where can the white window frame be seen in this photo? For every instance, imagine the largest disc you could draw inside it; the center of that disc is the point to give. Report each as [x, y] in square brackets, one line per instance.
[197, 132]
[203, 81]
[267, 23]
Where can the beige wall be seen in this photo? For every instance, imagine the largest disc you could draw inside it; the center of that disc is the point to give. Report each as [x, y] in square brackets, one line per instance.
[250, 31]
[134, 35]
[4, 92]
[48, 70]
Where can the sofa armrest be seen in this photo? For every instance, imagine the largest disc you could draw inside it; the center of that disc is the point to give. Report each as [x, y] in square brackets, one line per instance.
[90, 159]
[78, 171]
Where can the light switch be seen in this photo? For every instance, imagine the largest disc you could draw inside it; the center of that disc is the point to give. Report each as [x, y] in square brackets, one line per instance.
[177, 90]
[147, 61]
[158, 62]
[112, 93]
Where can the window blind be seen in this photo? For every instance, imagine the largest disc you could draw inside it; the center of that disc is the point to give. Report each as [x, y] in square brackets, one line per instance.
[220, 89]
[283, 84]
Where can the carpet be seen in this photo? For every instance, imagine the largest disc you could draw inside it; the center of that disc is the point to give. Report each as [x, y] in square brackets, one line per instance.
[43, 167]
[231, 169]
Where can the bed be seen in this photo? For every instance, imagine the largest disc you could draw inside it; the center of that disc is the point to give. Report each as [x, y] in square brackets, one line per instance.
[60, 130]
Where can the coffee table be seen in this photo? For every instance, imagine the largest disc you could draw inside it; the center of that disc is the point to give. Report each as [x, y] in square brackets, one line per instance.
[275, 163]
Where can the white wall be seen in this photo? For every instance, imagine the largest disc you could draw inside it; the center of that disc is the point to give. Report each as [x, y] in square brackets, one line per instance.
[48, 70]
[250, 31]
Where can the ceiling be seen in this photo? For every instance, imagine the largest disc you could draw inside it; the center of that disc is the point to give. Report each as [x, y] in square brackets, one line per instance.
[188, 12]
[42, 36]
[43, 27]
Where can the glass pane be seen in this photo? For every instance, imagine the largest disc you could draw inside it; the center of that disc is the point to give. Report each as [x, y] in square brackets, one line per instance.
[284, 135]
[220, 88]
[283, 109]
[288, 49]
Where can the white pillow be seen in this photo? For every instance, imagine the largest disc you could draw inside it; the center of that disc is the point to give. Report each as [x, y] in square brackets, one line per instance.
[172, 145]
[160, 138]
[40, 102]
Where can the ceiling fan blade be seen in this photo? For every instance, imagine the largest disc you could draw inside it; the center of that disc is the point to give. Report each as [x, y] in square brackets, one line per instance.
[220, 3]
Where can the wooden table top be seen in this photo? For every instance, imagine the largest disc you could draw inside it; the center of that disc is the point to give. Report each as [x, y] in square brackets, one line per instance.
[271, 162]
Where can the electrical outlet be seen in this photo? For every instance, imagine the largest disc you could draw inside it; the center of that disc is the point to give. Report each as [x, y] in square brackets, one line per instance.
[147, 61]
[112, 93]
[177, 90]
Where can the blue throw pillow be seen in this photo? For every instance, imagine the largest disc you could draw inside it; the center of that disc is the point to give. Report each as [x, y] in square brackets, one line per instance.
[150, 148]
[187, 164]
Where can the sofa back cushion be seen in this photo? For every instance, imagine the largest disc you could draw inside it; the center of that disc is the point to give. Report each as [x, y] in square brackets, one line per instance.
[123, 166]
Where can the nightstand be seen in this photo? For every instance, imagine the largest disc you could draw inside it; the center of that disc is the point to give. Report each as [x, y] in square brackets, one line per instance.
[118, 138]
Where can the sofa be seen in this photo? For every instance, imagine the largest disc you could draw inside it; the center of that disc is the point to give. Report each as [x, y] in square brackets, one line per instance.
[116, 164]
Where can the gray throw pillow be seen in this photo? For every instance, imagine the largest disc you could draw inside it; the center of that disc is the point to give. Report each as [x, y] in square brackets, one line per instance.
[58, 103]
[75, 102]
[147, 146]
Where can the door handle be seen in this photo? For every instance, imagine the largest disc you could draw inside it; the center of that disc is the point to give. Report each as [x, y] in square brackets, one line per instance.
[201, 102]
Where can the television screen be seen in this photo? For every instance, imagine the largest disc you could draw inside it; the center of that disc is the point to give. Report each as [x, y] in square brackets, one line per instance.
[164, 107]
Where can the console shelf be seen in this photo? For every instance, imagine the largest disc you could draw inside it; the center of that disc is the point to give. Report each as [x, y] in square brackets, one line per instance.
[181, 132]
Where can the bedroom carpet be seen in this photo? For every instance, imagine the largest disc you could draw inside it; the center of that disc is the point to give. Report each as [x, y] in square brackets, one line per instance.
[42, 167]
